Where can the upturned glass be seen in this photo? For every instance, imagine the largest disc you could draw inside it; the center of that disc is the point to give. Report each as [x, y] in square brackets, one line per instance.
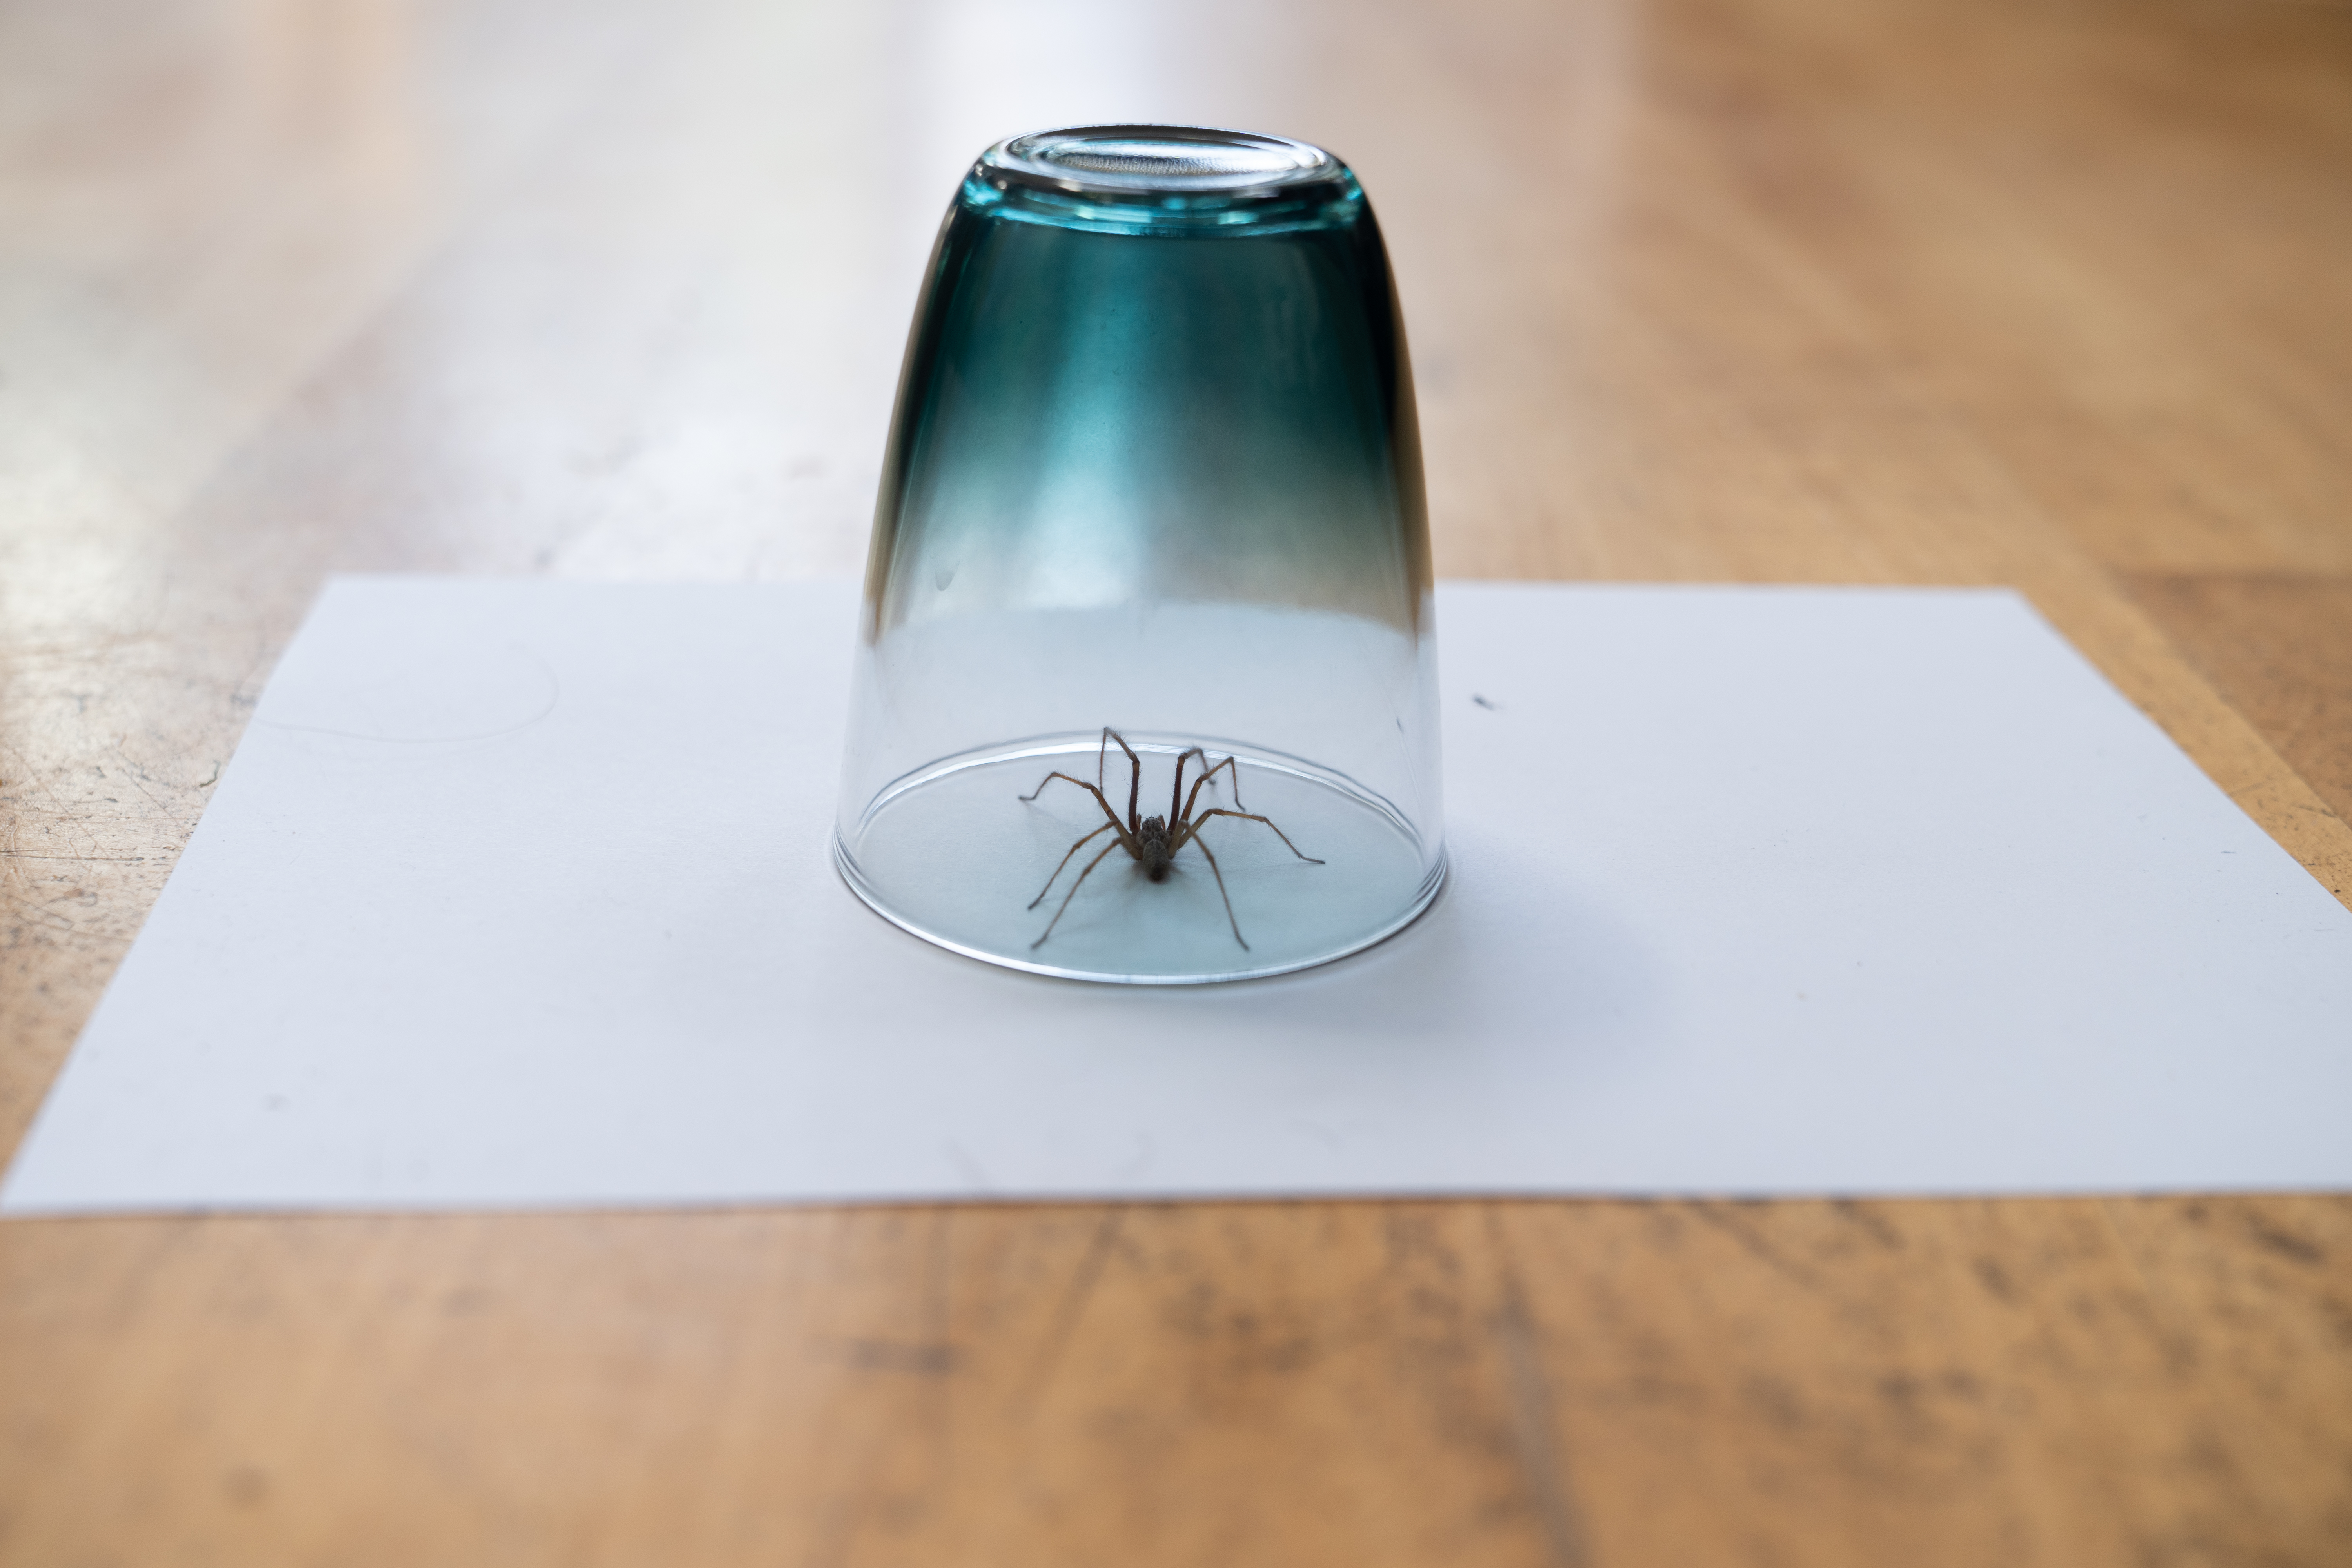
[1154, 470]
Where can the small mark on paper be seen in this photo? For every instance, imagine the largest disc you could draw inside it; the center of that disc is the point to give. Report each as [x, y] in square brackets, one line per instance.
[1489, 706]
[974, 1177]
[1329, 1137]
[454, 693]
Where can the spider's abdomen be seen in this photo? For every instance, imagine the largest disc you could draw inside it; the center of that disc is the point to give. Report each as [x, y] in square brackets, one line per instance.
[1153, 838]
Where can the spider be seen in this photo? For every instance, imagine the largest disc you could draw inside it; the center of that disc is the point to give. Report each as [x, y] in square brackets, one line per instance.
[1154, 841]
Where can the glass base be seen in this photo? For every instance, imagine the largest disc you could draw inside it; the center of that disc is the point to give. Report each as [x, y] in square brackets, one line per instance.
[954, 856]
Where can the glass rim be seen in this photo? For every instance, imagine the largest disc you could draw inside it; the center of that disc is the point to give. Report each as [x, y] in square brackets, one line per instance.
[1129, 161]
[1171, 181]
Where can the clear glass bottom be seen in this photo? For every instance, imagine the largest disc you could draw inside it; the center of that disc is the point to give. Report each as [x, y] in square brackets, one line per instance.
[953, 854]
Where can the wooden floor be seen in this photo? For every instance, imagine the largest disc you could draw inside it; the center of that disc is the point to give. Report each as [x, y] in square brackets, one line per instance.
[1844, 291]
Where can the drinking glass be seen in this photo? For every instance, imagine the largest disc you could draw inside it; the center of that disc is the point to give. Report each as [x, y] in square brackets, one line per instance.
[1154, 470]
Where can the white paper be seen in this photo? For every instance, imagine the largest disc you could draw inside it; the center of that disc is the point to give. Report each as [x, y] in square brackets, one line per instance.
[517, 894]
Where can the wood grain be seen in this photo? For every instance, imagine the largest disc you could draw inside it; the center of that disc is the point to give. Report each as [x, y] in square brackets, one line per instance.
[1748, 290]
[2279, 649]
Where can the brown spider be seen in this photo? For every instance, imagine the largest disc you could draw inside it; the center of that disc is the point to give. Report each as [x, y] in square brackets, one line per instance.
[1154, 841]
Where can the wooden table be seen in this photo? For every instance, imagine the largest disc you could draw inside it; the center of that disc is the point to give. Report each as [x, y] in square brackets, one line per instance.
[1845, 291]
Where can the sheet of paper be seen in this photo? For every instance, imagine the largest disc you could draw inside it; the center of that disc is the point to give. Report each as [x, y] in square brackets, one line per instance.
[517, 894]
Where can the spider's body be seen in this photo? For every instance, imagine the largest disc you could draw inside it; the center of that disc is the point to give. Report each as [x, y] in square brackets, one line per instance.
[1153, 841]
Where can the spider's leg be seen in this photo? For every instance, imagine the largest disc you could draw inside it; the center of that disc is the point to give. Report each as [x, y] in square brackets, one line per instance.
[1081, 844]
[1134, 775]
[1176, 796]
[1074, 890]
[1205, 778]
[1091, 789]
[1224, 895]
[1253, 816]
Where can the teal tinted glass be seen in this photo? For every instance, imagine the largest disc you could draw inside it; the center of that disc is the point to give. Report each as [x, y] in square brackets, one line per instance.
[1156, 419]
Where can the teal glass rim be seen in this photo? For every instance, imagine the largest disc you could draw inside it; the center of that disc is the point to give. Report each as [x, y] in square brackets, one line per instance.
[1164, 180]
